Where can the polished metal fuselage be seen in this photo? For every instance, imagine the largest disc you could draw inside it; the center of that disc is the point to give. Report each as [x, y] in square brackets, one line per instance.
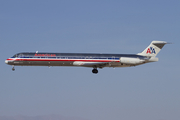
[68, 59]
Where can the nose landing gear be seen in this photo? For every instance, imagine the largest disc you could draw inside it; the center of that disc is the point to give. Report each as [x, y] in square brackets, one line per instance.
[95, 71]
[13, 69]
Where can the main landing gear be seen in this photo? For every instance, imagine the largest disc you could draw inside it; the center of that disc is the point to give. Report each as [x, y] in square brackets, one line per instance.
[95, 71]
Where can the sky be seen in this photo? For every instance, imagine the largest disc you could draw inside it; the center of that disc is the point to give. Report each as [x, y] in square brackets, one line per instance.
[149, 91]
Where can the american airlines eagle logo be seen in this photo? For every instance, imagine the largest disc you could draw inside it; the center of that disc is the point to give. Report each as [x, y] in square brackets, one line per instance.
[151, 50]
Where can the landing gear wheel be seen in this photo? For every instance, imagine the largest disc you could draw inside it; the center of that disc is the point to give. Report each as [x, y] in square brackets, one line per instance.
[95, 71]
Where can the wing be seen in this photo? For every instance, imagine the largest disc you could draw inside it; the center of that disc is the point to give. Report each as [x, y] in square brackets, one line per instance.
[91, 64]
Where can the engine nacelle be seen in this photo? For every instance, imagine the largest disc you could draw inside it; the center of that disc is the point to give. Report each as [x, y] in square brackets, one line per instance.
[132, 61]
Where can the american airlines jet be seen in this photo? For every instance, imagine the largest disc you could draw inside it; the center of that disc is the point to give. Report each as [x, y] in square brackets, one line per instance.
[87, 59]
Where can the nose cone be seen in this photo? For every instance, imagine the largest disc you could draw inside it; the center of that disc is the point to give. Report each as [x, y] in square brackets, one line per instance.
[6, 61]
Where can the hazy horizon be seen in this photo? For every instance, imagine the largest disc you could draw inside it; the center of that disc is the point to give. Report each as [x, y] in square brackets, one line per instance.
[40, 117]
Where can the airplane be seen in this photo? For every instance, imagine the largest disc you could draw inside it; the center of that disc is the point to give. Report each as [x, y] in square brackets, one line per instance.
[87, 59]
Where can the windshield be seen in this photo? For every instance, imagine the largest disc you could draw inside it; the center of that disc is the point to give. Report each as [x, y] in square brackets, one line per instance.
[17, 55]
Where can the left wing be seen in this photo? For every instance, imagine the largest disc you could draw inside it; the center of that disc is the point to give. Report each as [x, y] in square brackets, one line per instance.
[91, 64]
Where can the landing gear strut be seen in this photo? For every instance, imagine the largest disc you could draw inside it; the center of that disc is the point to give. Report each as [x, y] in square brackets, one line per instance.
[13, 69]
[95, 71]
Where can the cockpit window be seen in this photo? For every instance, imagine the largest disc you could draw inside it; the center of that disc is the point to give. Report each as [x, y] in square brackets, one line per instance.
[15, 56]
[18, 56]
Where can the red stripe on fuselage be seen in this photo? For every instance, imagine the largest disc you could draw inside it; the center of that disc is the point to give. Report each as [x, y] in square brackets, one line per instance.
[10, 59]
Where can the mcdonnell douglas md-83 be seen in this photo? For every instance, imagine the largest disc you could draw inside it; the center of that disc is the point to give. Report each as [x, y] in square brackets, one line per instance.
[87, 59]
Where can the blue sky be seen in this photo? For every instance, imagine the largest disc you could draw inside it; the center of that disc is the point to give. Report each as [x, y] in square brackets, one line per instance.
[150, 91]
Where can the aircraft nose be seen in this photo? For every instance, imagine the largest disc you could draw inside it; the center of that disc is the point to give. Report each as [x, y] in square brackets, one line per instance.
[6, 61]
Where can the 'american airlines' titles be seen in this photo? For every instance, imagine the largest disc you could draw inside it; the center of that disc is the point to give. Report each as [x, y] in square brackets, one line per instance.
[52, 55]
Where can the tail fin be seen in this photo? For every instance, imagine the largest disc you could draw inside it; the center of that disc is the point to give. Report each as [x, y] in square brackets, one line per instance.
[153, 49]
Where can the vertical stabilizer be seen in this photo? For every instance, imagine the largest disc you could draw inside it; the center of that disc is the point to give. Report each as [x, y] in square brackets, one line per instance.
[153, 49]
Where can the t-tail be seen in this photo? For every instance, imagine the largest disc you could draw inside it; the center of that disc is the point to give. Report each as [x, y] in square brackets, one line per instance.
[153, 49]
